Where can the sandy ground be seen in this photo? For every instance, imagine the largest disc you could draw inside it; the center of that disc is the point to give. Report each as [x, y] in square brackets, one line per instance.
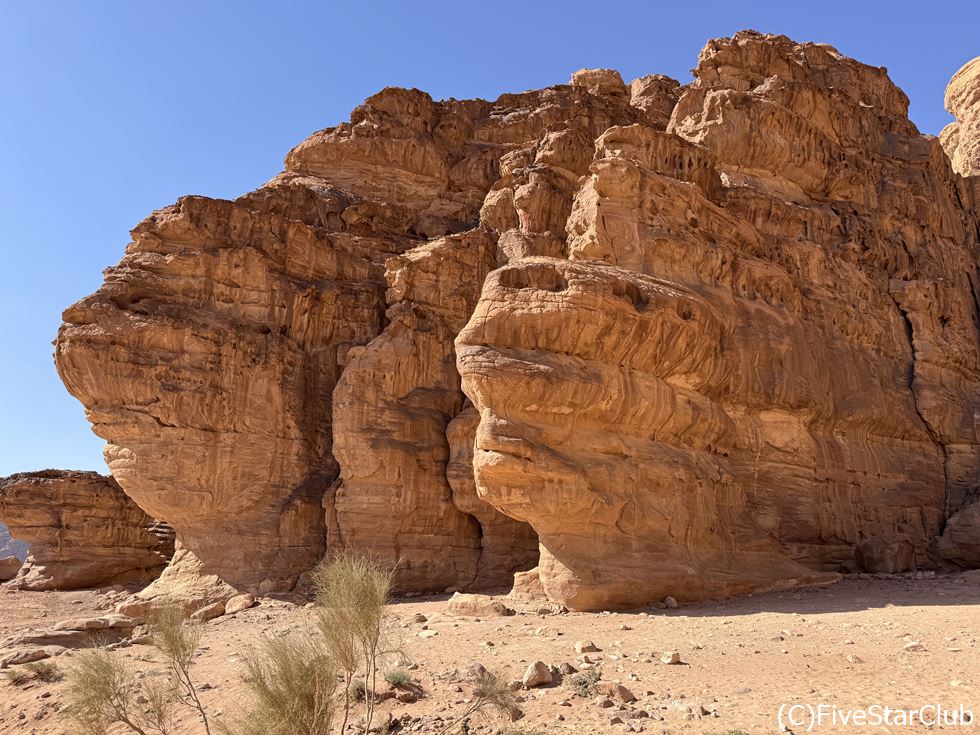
[902, 642]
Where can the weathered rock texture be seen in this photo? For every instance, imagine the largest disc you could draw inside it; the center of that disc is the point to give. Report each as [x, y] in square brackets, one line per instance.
[761, 355]
[712, 339]
[83, 531]
[961, 138]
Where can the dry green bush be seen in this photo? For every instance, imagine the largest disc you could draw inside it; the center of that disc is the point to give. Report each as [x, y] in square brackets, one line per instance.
[103, 692]
[490, 695]
[17, 677]
[583, 682]
[352, 595]
[46, 671]
[178, 638]
[292, 681]
[398, 678]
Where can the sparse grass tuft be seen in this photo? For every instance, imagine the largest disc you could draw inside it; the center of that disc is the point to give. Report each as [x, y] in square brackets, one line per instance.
[583, 682]
[357, 691]
[292, 681]
[17, 677]
[46, 671]
[490, 694]
[398, 678]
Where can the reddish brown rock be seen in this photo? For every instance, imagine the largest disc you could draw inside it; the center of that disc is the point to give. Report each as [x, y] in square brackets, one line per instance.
[83, 531]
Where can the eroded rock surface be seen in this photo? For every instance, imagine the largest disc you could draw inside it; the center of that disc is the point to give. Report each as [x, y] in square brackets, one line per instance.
[83, 531]
[961, 138]
[679, 340]
[761, 353]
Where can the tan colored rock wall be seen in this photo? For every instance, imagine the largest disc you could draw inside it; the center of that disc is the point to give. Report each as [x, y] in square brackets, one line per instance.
[83, 531]
[961, 138]
[776, 362]
[718, 337]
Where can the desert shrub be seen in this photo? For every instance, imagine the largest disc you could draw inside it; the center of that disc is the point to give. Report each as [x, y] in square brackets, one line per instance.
[17, 677]
[357, 691]
[103, 692]
[178, 639]
[35, 671]
[490, 695]
[292, 681]
[398, 678]
[46, 671]
[352, 595]
[583, 683]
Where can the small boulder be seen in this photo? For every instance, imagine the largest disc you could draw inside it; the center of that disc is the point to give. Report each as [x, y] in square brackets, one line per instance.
[669, 602]
[238, 603]
[615, 690]
[476, 606]
[670, 657]
[475, 671]
[586, 647]
[9, 566]
[209, 612]
[537, 674]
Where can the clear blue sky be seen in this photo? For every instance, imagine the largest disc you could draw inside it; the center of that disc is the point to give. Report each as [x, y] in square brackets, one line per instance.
[109, 110]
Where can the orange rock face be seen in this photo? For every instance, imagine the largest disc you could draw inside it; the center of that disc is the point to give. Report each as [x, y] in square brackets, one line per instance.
[83, 531]
[961, 138]
[685, 341]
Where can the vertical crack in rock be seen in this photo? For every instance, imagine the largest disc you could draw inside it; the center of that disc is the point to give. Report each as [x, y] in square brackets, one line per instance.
[910, 334]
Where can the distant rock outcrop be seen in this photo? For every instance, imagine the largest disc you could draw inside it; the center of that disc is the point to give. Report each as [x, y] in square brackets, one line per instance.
[83, 531]
[686, 340]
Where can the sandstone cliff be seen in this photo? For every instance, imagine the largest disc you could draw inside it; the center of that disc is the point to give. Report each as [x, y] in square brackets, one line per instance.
[83, 531]
[688, 340]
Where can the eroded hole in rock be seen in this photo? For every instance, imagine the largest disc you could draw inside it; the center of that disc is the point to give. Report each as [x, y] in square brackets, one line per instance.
[540, 276]
[632, 293]
[685, 311]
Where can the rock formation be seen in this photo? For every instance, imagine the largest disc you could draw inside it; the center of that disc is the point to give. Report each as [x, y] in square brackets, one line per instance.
[687, 340]
[83, 531]
[961, 138]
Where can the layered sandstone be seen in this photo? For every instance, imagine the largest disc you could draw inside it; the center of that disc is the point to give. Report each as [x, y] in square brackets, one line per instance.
[83, 531]
[961, 138]
[687, 340]
[760, 361]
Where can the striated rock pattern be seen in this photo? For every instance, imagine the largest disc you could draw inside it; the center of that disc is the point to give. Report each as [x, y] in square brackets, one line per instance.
[961, 138]
[759, 361]
[83, 531]
[673, 340]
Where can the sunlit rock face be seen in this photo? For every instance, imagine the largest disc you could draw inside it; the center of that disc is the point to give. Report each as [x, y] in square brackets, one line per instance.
[961, 138]
[83, 531]
[689, 340]
[759, 363]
